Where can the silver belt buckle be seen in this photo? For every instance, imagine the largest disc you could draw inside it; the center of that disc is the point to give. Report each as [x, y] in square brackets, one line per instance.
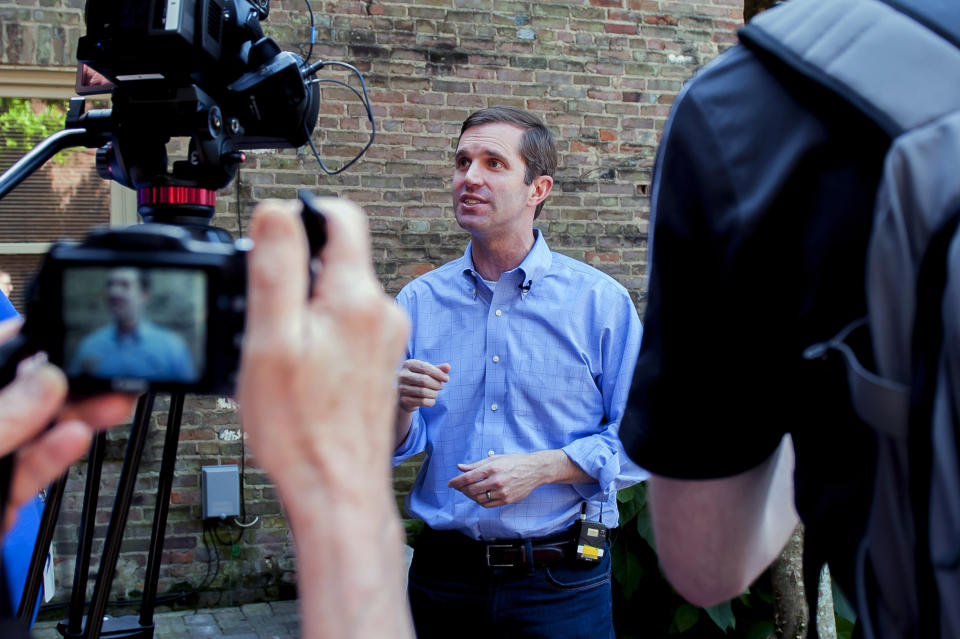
[491, 565]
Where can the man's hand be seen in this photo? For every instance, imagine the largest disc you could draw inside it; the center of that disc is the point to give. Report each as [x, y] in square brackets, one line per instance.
[27, 406]
[419, 383]
[317, 395]
[505, 479]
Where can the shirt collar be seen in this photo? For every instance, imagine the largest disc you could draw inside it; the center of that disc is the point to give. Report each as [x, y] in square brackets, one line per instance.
[533, 267]
[136, 334]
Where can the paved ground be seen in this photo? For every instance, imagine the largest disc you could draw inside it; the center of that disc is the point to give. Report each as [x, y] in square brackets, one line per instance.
[276, 620]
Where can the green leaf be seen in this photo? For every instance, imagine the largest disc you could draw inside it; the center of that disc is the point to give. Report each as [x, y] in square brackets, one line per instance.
[722, 615]
[841, 605]
[637, 493]
[645, 527]
[630, 501]
[686, 617]
[628, 509]
[844, 628]
[760, 630]
[25, 122]
[628, 571]
[765, 596]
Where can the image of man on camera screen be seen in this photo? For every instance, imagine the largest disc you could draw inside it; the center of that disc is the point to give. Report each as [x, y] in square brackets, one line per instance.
[131, 345]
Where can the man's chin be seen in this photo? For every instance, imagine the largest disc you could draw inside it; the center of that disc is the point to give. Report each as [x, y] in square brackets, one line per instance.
[470, 221]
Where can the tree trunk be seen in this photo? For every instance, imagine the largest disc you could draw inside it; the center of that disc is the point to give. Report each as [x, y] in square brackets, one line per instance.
[789, 599]
[826, 621]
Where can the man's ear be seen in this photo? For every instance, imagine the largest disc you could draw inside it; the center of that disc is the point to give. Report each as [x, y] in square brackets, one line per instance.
[542, 186]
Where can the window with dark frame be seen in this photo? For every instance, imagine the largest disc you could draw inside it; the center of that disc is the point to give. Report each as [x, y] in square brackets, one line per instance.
[63, 199]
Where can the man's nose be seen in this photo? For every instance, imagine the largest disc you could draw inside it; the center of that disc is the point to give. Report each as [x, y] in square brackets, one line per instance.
[474, 174]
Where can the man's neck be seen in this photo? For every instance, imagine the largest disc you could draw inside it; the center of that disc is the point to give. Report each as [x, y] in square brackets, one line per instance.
[127, 329]
[493, 256]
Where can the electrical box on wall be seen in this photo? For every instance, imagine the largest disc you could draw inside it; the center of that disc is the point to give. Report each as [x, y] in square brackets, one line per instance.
[220, 491]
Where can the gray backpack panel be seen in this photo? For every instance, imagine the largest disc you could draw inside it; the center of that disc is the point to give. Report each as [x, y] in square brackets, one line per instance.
[945, 462]
[907, 79]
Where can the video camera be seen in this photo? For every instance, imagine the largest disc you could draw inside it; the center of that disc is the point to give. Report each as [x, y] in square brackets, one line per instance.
[197, 69]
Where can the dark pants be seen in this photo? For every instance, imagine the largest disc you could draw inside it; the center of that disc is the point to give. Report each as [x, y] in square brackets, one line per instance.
[453, 593]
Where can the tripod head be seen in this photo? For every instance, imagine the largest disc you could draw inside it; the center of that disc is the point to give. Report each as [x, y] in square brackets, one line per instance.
[199, 69]
[196, 69]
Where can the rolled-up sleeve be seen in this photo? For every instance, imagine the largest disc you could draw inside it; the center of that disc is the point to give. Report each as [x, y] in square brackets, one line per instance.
[415, 442]
[602, 455]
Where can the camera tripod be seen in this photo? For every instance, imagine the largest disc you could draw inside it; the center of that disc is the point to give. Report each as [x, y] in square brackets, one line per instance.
[92, 625]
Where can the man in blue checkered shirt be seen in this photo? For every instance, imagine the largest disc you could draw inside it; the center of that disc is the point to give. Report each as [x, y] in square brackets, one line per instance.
[516, 377]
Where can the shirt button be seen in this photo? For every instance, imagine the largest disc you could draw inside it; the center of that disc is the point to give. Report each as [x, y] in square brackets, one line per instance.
[496, 358]
[499, 312]
[490, 453]
[493, 407]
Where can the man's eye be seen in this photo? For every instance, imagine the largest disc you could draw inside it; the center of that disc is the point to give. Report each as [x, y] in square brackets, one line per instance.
[496, 164]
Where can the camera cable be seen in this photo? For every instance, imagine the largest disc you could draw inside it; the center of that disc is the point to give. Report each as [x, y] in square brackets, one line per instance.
[364, 99]
[313, 34]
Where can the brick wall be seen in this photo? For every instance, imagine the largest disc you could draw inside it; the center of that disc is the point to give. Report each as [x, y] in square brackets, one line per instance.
[603, 73]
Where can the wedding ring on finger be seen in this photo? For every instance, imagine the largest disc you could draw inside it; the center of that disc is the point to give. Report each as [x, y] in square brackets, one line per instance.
[489, 498]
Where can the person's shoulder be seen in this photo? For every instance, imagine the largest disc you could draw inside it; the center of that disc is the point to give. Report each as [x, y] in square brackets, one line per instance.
[730, 92]
[584, 276]
[160, 333]
[737, 68]
[97, 335]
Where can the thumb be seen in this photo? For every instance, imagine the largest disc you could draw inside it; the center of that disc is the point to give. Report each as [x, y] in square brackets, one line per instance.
[471, 466]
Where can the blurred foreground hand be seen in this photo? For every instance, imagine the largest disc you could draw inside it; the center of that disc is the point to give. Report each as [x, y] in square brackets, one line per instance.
[317, 397]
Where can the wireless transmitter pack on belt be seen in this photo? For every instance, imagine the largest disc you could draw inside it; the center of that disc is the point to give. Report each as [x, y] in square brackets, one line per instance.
[589, 536]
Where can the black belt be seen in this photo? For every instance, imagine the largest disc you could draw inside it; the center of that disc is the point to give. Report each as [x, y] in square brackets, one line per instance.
[501, 553]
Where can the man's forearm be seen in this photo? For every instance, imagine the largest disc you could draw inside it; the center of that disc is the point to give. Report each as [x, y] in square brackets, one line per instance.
[560, 469]
[714, 537]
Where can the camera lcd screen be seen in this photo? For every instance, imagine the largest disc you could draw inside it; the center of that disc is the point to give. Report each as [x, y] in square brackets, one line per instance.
[90, 82]
[135, 322]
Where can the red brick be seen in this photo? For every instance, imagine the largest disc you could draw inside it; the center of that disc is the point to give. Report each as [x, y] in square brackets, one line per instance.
[608, 256]
[661, 19]
[416, 269]
[614, 27]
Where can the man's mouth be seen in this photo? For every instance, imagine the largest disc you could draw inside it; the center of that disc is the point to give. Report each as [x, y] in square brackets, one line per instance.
[470, 201]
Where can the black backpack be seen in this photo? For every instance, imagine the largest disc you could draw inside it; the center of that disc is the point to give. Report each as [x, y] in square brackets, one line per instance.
[899, 63]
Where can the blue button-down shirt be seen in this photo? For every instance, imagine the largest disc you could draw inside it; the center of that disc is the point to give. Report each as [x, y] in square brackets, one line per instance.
[543, 360]
[150, 352]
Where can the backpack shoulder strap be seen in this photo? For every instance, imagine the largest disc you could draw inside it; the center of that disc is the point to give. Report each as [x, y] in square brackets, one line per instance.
[888, 65]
